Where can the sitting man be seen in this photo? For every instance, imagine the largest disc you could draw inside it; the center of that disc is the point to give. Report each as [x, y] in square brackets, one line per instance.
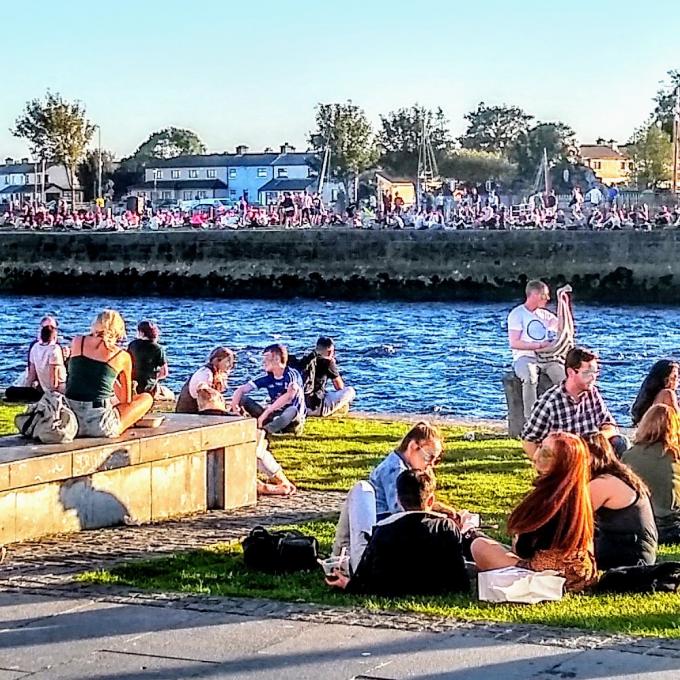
[319, 366]
[414, 552]
[575, 406]
[531, 327]
[286, 411]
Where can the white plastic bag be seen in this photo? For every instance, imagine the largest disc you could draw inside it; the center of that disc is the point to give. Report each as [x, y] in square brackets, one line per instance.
[513, 584]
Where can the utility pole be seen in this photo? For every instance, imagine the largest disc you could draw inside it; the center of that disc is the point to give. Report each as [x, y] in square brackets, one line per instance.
[99, 162]
[676, 139]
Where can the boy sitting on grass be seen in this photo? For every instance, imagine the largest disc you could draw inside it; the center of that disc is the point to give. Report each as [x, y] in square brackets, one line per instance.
[413, 552]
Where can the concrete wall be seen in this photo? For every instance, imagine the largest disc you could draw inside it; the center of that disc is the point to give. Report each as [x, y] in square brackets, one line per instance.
[343, 263]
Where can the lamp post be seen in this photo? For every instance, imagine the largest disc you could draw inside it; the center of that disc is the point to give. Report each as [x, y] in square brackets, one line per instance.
[676, 139]
[99, 162]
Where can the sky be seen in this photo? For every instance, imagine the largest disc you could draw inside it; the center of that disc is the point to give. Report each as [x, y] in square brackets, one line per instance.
[252, 72]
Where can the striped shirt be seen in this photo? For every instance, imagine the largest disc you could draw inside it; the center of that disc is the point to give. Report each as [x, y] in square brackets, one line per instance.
[557, 411]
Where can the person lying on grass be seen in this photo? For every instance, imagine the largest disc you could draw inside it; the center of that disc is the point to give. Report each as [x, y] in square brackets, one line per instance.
[553, 526]
[370, 501]
[413, 552]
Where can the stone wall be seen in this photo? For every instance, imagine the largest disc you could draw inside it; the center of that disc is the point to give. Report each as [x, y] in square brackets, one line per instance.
[343, 263]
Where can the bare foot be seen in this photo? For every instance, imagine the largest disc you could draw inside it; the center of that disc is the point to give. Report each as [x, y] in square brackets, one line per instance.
[264, 489]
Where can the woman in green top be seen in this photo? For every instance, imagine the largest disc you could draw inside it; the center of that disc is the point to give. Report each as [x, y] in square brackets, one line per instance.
[99, 370]
[655, 458]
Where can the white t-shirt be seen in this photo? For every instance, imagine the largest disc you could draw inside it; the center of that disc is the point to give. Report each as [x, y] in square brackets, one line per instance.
[202, 375]
[533, 325]
[42, 357]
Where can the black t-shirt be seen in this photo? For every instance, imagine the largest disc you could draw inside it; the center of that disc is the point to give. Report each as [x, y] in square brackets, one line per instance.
[148, 357]
[527, 545]
[326, 369]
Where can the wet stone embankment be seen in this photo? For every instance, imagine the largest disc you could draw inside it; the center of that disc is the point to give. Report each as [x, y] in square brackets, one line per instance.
[623, 266]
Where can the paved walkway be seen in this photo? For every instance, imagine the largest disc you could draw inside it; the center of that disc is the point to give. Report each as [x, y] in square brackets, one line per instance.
[53, 627]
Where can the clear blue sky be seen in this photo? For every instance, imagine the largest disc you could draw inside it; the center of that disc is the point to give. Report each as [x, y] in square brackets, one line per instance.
[252, 72]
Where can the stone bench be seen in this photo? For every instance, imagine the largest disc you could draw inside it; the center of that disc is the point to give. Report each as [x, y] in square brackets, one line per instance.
[188, 464]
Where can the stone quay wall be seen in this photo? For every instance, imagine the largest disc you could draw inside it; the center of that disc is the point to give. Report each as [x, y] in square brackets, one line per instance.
[642, 267]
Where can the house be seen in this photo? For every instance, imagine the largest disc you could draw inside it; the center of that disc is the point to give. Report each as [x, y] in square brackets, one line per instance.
[229, 175]
[610, 163]
[22, 181]
[396, 185]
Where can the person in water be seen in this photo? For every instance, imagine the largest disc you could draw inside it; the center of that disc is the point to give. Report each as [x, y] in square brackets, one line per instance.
[98, 370]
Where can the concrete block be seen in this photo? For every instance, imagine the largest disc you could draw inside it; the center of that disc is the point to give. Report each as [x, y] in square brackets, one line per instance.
[117, 495]
[40, 469]
[240, 476]
[4, 476]
[178, 486]
[40, 511]
[168, 445]
[108, 457]
[233, 431]
[7, 517]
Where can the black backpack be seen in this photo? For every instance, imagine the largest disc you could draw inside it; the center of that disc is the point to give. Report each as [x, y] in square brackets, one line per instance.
[306, 366]
[663, 577]
[278, 552]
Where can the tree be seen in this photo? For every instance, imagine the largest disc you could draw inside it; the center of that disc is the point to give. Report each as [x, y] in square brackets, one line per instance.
[651, 151]
[494, 128]
[169, 143]
[666, 101]
[475, 167]
[57, 131]
[88, 171]
[347, 131]
[400, 136]
[559, 142]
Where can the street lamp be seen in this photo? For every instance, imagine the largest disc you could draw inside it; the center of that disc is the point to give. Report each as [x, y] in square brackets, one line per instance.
[676, 139]
[99, 162]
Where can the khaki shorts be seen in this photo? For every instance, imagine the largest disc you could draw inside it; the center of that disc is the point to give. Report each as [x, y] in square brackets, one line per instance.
[100, 421]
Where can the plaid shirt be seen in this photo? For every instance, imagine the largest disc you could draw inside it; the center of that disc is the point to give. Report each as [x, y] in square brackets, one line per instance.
[557, 411]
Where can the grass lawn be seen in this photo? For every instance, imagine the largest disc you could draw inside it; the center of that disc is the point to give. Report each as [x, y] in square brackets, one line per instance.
[487, 476]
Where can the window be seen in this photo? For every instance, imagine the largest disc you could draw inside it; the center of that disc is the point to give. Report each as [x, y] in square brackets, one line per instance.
[597, 165]
[193, 174]
[7, 178]
[623, 165]
[212, 174]
[158, 174]
[232, 193]
[202, 194]
[174, 174]
[187, 195]
[262, 172]
[232, 173]
[166, 195]
[282, 172]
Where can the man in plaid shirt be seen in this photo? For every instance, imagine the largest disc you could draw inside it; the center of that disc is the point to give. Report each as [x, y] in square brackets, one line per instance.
[575, 405]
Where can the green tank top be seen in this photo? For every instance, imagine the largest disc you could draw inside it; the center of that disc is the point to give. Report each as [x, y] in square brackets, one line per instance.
[90, 379]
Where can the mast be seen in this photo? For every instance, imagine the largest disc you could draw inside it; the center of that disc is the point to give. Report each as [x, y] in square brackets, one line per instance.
[676, 139]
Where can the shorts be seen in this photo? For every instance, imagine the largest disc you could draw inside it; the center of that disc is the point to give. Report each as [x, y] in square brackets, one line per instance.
[100, 421]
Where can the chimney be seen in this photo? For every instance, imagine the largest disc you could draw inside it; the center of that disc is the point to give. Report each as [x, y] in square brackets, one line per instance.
[268, 149]
[241, 149]
[9, 161]
[613, 144]
[287, 148]
[24, 161]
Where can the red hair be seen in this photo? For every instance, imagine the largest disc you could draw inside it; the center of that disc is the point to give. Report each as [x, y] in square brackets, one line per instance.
[561, 493]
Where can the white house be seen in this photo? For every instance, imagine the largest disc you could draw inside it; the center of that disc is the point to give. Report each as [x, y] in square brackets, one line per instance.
[232, 176]
[23, 181]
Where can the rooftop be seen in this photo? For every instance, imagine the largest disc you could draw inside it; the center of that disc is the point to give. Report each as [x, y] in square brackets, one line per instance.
[235, 160]
[604, 151]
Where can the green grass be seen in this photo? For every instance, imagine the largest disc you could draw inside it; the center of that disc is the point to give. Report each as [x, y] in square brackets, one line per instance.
[486, 476]
[7, 413]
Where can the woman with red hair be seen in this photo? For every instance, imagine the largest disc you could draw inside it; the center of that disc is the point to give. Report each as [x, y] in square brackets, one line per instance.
[553, 525]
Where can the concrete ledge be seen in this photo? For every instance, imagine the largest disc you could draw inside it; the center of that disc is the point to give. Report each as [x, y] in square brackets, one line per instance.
[188, 464]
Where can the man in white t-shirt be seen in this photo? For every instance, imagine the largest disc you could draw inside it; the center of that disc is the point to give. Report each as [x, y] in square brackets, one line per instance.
[46, 362]
[531, 327]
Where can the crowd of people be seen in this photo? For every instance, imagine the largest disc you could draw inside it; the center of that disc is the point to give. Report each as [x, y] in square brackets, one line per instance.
[598, 501]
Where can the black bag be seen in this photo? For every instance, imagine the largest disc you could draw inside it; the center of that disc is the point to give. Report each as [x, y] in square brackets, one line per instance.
[278, 552]
[663, 577]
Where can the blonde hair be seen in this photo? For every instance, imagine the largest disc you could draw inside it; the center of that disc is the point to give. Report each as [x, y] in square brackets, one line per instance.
[110, 327]
[660, 424]
[420, 432]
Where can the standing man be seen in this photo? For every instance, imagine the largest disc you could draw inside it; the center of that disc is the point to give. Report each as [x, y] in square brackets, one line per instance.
[575, 406]
[532, 327]
[286, 411]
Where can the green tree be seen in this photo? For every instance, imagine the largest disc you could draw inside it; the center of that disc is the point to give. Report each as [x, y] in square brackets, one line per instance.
[665, 101]
[475, 167]
[57, 131]
[494, 128]
[88, 171]
[169, 143]
[651, 151]
[559, 142]
[400, 136]
[347, 131]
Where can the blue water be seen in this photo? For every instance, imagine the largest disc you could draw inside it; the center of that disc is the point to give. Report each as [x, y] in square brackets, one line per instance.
[444, 357]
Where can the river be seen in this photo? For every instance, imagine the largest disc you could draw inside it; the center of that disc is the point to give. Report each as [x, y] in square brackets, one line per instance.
[444, 358]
